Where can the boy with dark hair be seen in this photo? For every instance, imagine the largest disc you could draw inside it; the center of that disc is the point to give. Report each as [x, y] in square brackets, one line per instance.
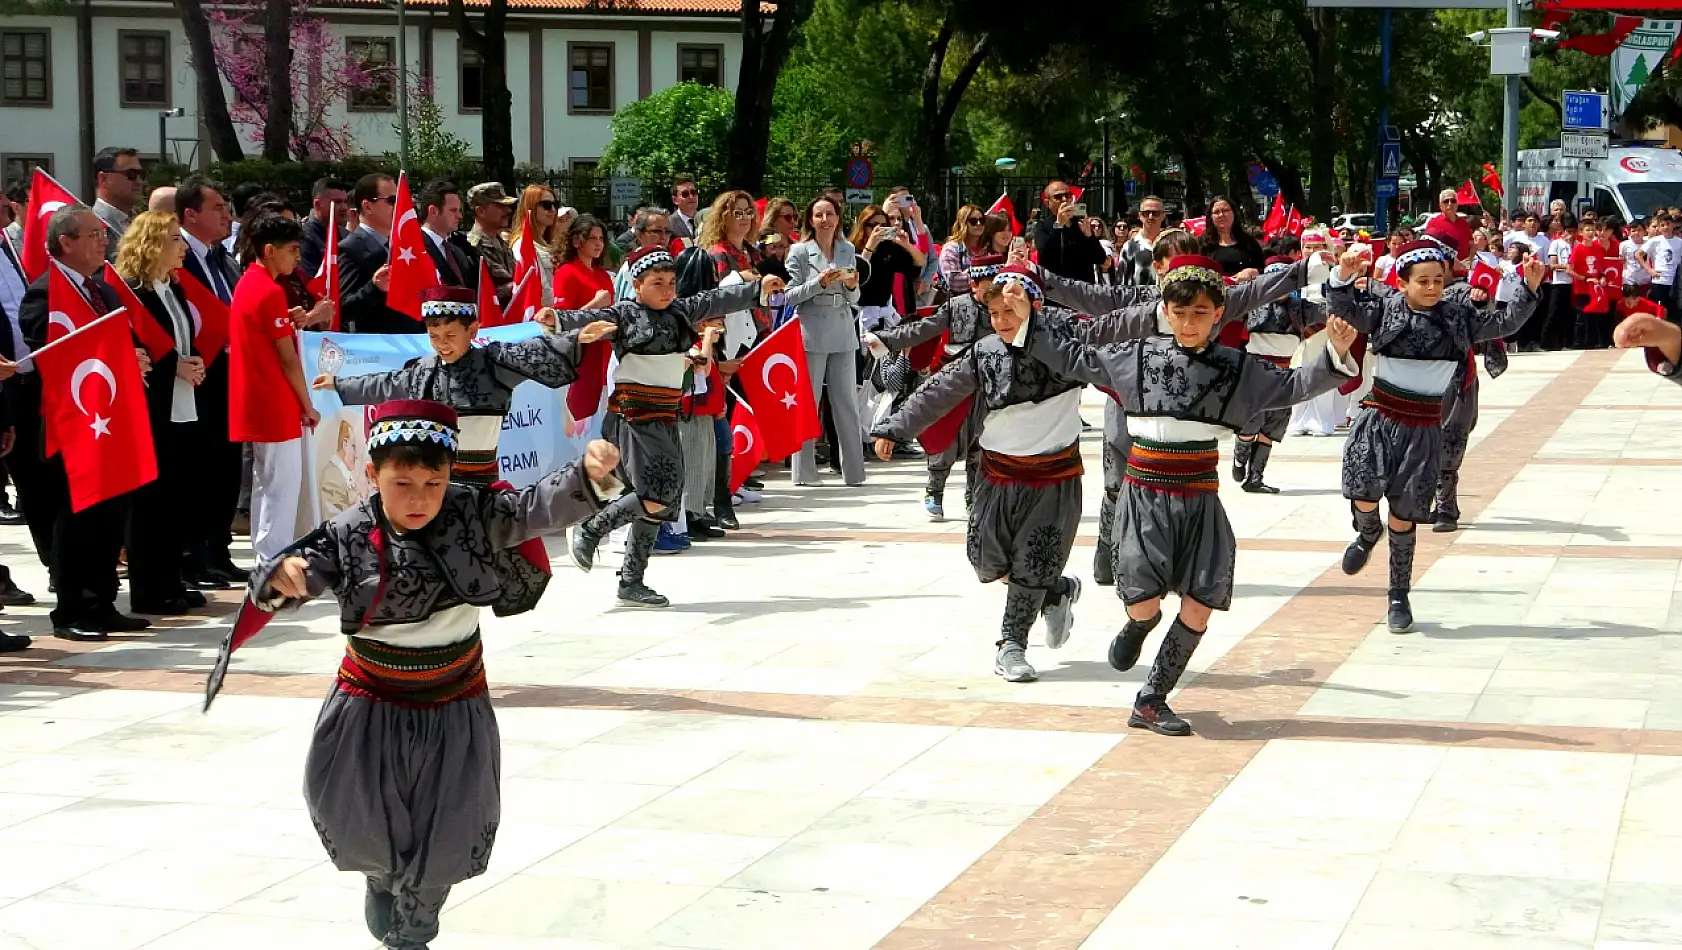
[402, 779]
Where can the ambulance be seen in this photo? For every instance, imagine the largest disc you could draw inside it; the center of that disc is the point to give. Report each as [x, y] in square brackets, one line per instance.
[1632, 181]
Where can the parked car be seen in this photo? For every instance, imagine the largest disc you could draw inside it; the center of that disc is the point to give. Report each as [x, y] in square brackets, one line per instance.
[1357, 222]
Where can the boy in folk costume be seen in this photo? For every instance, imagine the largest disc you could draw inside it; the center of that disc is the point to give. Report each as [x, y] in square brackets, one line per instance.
[402, 774]
[1276, 331]
[662, 342]
[964, 320]
[1027, 502]
[1422, 340]
[1139, 310]
[1180, 392]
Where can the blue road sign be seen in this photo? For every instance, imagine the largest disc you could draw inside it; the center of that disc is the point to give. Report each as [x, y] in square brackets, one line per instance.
[1386, 188]
[859, 172]
[1585, 110]
[1390, 160]
[1131, 186]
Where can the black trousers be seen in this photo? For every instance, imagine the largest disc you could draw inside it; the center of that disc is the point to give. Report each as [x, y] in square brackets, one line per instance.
[220, 464]
[41, 496]
[157, 529]
[85, 549]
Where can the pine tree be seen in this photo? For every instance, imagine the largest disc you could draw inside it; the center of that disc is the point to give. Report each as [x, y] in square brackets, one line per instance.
[1637, 74]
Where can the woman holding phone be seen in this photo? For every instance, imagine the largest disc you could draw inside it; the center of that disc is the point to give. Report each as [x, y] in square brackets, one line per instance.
[824, 289]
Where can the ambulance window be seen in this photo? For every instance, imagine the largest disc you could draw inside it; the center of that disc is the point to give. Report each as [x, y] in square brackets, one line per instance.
[1605, 206]
[1646, 197]
[1565, 191]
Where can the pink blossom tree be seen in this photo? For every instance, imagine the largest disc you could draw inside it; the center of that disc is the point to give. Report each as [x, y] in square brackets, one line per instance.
[322, 73]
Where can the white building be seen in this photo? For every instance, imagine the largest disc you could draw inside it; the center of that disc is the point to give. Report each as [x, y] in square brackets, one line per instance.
[102, 74]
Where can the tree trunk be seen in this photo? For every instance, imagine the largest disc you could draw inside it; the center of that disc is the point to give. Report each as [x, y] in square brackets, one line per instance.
[1289, 177]
[277, 56]
[938, 110]
[213, 103]
[496, 120]
[1194, 178]
[763, 56]
[1238, 191]
[1318, 29]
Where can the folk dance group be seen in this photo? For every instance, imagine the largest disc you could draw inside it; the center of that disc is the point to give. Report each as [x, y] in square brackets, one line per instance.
[402, 775]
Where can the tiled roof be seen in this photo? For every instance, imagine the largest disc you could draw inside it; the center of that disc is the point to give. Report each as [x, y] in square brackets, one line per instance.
[603, 7]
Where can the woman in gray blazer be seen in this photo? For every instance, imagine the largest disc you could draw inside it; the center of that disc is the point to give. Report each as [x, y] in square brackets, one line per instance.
[823, 288]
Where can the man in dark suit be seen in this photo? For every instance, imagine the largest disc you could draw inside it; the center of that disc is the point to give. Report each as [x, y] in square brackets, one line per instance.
[364, 261]
[441, 206]
[80, 548]
[205, 223]
[329, 198]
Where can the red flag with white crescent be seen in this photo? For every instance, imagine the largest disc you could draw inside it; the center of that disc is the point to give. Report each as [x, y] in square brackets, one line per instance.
[249, 622]
[1007, 208]
[774, 379]
[412, 269]
[325, 284]
[525, 256]
[93, 401]
[148, 331]
[45, 196]
[210, 317]
[747, 444]
[1276, 217]
[490, 312]
[1484, 276]
[1195, 225]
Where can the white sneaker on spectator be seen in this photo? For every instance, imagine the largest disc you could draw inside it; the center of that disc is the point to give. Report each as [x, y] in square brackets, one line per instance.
[747, 496]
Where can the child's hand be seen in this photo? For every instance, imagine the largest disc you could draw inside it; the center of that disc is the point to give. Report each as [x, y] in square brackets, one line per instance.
[885, 449]
[596, 330]
[1644, 329]
[546, 318]
[289, 579]
[771, 284]
[601, 457]
[603, 298]
[1350, 264]
[1341, 334]
[1533, 271]
[324, 383]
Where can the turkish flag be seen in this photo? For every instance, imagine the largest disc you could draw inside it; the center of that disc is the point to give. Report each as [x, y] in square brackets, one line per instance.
[1007, 208]
[1492, 179]
[747, 444]
[45, 197]
[525, 260]
[412, 270]
[151, 335]
[210, 317]
[527, 298]
[1075, 191]
[1195, 225]
[1295, 222]
[1484, 276]
[787, 413]
[490, 312]
[1467, 195]
[325, 284]
[101, 430]
[1276, 217]
[1394, 277]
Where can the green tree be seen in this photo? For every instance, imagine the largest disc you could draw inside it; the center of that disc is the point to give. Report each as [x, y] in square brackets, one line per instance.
[676, 131]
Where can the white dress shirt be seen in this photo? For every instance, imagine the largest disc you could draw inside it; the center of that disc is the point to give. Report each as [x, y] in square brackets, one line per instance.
[183, 405]
[201, 250]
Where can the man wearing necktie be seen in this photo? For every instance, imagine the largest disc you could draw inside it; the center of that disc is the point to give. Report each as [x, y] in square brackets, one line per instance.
[80, 549]
[205, 222]
[441, 203]
[13, 285]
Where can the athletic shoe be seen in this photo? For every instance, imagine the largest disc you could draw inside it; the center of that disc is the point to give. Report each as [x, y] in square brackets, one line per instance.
[1355, 556]
[670, 542]
[1060, 616]
[1152, 712]
[583, 548]
[1256, 486]
[640, 595]
[1400, 618]
[1012, 664]
[1125, 648]
[936, 511]
[747, 496]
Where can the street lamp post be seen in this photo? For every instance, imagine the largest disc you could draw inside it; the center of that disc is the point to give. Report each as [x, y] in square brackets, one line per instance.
[163, 132]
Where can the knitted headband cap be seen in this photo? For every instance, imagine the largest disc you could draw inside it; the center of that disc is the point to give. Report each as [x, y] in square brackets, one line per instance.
[640, 262]
[1420, 252]
[986, 266]
[445, 301]
[413, 420]
[1021, 276]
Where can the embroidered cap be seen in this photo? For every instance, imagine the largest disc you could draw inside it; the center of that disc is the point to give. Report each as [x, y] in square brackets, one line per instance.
[445, 301]
[1419, 252]
[1275, 264]
[1195, 268]
[1022, 276]
[643, 259]
[986, 267]
[413, 420]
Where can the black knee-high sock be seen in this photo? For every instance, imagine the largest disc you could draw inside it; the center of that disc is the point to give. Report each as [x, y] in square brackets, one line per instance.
[622, 510]
[1022, 608]
[937, 480]
[1106, 522]
[637, 551]
[1368, 526]
[1178, 644]
[1241, 450]
[1401, 560]
[1258, 460]
[724, 505]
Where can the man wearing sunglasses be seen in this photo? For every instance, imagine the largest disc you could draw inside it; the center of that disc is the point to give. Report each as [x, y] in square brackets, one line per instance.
[1135, 255]
[1065, 248]
[118, 179]
[686, 198]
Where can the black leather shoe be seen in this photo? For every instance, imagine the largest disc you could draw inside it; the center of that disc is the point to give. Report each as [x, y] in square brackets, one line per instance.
[729, 522]
[207, 582]
[12, 643]
[14, 596]
[753, 484]
[80, 634]
[11, 516]
[112, 620]
[194, 599]
[229, 572]
[173, 607]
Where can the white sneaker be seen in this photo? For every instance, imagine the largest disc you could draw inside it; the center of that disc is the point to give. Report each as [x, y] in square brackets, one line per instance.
[747, 496]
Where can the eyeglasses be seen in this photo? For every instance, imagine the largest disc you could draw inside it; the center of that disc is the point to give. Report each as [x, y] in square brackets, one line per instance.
[1059, 196]
[786, 214]
[974, 222]
[547, 205]
[388, 199]
[132, 174]
[1150, 214]
[1448, 201]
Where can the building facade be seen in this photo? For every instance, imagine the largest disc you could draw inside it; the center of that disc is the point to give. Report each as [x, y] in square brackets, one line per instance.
[109, 74]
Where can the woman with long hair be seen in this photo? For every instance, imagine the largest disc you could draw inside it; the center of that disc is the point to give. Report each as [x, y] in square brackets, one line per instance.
[961, 246]
[824, 289]
[996, 234]
[781, 217]
[151, 251]
[539, 207]
[1225, 240]
[581, 280]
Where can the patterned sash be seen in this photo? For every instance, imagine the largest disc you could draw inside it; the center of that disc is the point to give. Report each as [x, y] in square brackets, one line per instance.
[638, 403]
[421, 678]
[1410, 409]
[1176, 468]
[1035, 471]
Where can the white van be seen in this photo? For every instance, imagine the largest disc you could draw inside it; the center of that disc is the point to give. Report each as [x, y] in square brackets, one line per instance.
[1633, 181]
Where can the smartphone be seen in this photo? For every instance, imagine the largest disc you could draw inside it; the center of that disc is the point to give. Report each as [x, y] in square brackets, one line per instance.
[849, 271]
[886, 233]
[1078, 209]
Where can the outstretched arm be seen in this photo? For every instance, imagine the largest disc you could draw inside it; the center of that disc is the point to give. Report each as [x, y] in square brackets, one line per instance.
[1492, 324]
[1067, 356]
[556, 501]
[550, 358]
[1265, 386]
[373, 388]
[1265, 289]
[939, 395]
[915, 332]
[1092, 298]
[308, 568]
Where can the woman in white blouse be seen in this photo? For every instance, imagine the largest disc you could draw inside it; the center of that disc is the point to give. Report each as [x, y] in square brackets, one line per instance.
[150, 253]
[539, 207]
[823, 289]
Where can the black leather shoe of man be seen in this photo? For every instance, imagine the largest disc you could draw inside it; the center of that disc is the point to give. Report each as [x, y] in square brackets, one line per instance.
[80, 634]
